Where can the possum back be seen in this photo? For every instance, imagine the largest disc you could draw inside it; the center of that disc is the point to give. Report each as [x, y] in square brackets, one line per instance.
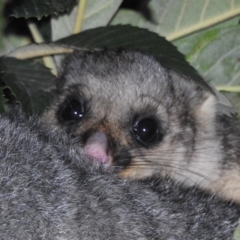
[49, 191]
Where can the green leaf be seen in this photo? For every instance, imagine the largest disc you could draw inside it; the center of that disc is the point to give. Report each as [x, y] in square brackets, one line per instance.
[30, 82]
[175, 19]
[97, 13]
[236, 235]
[214, 53]
[127, 36]
[101, 10]
[36, 8]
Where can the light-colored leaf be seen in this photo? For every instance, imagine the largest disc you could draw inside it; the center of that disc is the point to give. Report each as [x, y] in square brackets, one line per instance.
[97, 13]
[175, 19]
[220, 59]
[236, 235]
[215, 53]
[62, 25]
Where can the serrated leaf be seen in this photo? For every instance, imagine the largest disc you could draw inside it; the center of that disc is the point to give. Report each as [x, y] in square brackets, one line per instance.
[31, 83]
[175, 19]
[36, 8]
[97, 13]
[127, 36]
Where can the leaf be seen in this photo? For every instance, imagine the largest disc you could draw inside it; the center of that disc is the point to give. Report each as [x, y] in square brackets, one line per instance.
[102, 10]
[215, 54]
[236, 235]
[97, 13]
[127, 36]
[36, 8]
[1, 24]
[30, 82]
[175, 19]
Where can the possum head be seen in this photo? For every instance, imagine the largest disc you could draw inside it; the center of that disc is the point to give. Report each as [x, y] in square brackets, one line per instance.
[134, 115]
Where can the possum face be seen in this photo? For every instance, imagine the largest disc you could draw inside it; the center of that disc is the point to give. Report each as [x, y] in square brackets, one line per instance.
[132, 114]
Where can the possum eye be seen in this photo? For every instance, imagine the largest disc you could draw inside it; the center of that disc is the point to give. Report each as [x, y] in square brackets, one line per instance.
[73, 110]
[146, 131]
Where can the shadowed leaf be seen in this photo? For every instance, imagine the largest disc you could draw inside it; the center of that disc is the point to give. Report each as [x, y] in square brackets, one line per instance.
[36, 8]
[30, 82]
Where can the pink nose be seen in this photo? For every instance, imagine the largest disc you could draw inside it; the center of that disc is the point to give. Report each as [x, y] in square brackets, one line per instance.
[96, 147]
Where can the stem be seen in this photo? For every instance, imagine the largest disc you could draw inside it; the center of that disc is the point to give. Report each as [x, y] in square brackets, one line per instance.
[80, 15]
[235, 89]
[48, 61]
[39, 50]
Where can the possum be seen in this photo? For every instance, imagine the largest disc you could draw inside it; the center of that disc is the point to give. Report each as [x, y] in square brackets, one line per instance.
[141, 119]
[49, 189]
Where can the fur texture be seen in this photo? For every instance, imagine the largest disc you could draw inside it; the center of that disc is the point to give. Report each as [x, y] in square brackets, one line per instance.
[50, 190]
[116, 89]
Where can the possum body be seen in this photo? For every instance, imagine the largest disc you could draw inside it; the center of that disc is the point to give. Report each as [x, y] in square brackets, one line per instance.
[50, 190]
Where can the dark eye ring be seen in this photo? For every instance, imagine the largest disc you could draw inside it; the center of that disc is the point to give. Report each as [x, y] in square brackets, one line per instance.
[146, 131]
[73, 110]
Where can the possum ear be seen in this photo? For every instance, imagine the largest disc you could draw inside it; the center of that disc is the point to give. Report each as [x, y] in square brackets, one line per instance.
[206, 112]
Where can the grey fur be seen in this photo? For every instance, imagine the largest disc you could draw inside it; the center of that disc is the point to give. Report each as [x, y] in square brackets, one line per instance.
[120, 85]
[49, 190]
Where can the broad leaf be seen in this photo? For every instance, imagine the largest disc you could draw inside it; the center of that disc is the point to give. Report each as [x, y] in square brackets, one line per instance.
[30, 82]
[175, 19]
[215, 54]
[97, 13]
[236, 235]
[36, 8]
[102, 10]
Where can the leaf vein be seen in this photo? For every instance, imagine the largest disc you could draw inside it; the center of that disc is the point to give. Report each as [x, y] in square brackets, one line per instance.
[181, 15]
[221, 58]
[204, 10]
[98, 9]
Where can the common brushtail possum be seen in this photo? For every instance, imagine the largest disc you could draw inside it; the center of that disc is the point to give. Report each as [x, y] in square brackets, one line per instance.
[49, 189]
[141, 119]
